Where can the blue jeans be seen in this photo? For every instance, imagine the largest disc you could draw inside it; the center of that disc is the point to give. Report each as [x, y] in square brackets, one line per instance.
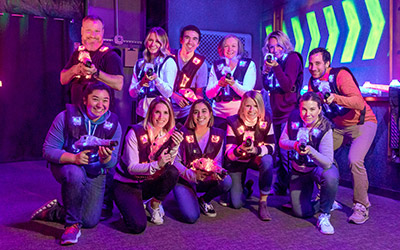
[302, 186]
[186, 195]
[238, 198]
[82, 196]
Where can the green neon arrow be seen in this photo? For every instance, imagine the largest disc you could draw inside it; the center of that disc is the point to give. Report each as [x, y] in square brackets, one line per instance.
[353, 24]
[377, 25]
[314, 32]
[268, 29]
[284, 30]
[298, 34]
[333, 29]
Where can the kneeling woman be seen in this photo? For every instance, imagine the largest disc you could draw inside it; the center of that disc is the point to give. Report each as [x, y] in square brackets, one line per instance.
[199, 162]
[145, 170]
[250, 144]
[309, 135]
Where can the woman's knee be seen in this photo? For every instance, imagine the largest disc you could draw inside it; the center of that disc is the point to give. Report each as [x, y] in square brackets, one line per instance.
[266, 162]
[136, 228]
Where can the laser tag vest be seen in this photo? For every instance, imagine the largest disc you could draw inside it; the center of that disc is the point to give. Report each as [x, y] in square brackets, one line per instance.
[271, 82]
[240, 72]
[333, 73]
[185, 76]
[97, 58]
[143, 144]
[192, 150]
[315, 136]
[75, 127]
[261, 130]
[152, 90]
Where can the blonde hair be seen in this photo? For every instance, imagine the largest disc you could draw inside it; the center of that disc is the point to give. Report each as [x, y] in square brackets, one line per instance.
[190, 124]
[282, 39]
[221, 45]
[160, 99]
[258, 99]
[162, 37]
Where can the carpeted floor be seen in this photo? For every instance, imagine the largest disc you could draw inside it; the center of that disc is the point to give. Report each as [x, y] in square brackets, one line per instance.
[25, 186]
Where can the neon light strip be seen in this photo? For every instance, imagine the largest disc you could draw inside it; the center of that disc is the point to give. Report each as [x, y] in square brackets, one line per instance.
[268, 29]
[377, 26]
[333, 29]
[314, 32]
[284, 29]
[353, 24]
[298, 34]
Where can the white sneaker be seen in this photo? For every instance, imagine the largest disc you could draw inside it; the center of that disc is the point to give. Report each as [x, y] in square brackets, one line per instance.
[324, 225]
[360, 214]
[156, 214]
[336, 206]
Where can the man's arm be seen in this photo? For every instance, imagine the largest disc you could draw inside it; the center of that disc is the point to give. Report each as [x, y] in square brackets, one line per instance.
[68, 74]
[351, 96]
[114, 81]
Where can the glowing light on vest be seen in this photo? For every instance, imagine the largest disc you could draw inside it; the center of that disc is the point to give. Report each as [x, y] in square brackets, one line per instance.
[190, 138]
[196, 60]
[144, 139]
[263, 125]
[241, 129]
[185, 79]
[215, 138]
[295, 125]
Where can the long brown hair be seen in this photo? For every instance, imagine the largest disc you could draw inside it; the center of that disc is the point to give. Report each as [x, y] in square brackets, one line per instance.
[190, 124]
[160, 99]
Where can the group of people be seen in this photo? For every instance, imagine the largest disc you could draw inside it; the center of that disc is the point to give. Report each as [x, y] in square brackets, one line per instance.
[185, 144]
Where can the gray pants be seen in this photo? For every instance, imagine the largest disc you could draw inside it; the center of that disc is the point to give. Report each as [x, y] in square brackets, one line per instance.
[361, 137]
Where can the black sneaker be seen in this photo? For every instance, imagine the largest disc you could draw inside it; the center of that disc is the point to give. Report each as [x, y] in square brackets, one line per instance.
[71, 235]
[44, 212]
[207, 208]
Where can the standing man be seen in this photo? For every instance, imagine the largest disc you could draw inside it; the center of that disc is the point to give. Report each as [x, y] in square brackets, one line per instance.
[354, 121]
[283, 79]
[92, 61]
[192, 73]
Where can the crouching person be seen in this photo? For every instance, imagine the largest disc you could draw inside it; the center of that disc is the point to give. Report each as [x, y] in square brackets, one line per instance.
[308, 135]
[81, 145]
[145, 171]
[199, 162]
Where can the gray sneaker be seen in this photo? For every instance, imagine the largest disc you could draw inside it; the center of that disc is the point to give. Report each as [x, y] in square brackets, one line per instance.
[324, 225]
[360, 214]
[156, 214]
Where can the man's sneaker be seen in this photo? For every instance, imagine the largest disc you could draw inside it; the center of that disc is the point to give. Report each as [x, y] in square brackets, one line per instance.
[336, 206]
[263, 212]
[223, 203]
[156, 214]
[71, 235]
[324, 225]
[44, 212]
[249, 188]
[360, 214]
[207, 208]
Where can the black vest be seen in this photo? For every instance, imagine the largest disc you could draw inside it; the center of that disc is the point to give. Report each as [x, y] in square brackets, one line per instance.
[75, 128]
[271, 83]
[240, 72]
[315, 136]
[191, 150]
[150, 91]
[333, 73]
[97, 58]
[261, 130]
[185, 76]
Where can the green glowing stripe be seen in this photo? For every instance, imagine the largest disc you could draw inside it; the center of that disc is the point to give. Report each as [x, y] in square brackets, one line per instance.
[314, 32]
[4, 20]
[284, 30]
[353, 24]
[298, 34]
[268, 29]
[377, 26]
[333, 29]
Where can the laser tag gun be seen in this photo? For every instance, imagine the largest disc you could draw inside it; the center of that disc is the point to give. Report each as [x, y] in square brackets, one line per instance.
[85, 59]
[225, 92]
[151, 89]
[269, 57]
[160, 145]
[92, 143]
[188, 94]
[247, 143]
[302, 138]
[332, 110]
[209, 166]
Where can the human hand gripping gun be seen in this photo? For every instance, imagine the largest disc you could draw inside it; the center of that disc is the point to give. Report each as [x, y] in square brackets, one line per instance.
[332, 110]
[302, 139]
[208, 166]
[224, 93]
[86, 60]
[92, 143]
[158, 147]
